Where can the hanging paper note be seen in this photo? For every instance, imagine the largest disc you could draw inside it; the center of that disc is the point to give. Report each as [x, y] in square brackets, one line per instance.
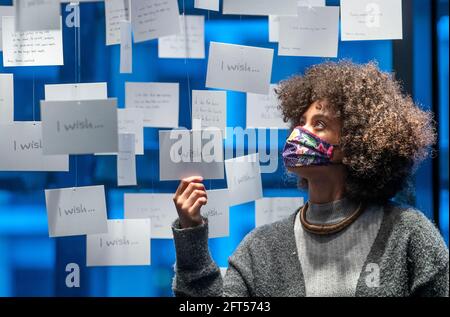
[126, 160]
[116, 12]
[240, 68]
[37, 15]
[371, 20]
[79, 127]
[210, 107]
[126, 48]
[6, 98]
[212, 5]
[259, 7]
[21, 149]
[76, 211]
[127, 242]
[217, 212]
[83, 91]
[269, 210]
[4, 11]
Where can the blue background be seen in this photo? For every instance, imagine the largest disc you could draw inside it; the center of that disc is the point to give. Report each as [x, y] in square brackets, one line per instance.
[32, 264]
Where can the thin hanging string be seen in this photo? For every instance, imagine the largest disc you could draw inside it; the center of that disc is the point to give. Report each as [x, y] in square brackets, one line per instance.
[188, 79]
[77, 70]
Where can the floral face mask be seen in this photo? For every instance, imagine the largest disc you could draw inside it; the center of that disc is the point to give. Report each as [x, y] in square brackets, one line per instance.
[304, 148]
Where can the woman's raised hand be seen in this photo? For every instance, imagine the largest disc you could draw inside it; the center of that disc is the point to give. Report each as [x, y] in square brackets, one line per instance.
[189, 198]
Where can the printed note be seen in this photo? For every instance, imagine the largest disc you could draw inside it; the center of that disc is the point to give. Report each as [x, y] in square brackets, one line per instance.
[243, 179]
[157, 207]
[217, 212]
[212, 5]
[83, 91]
[32, 48]
[210, 107]
[116, 11]
[240, 68]
[5, 11]
[263, 111]
[184, 153]
[299, 36]
[126, 160]
[153, 19]
[21, 149]
[371, 20]
[126, 48]
[190, 43]
[269, 210]
[158, 101]
[37, 15]
[127, 242]
[259, 7]
[6, 98]
[79, 127]
[76, 211]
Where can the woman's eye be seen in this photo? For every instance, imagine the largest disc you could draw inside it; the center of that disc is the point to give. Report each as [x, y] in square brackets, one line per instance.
[320, 124]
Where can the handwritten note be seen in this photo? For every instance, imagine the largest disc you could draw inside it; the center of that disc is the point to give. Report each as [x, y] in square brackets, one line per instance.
[190, 43]
[184, 153]
[83, 91]
[79, 127]
[299, 35]
[212, 5]
[76, 211]
[126, 243]
[126, 160]
[116, 11]
[5, 11]
[210, 107]
[153, 19]
[371, 20]
[37, 15]
[33, 48]
[217, 212]
[21, 149]
[259, 7]
[263, 111]
[158, 101]
[269, 210]
[274, 20]
[6, 98]
[243, 179]
[126, 48]
[157, 207]
[240, 68]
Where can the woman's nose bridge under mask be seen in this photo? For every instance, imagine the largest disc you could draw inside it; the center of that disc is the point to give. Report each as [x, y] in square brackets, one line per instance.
[304, 148]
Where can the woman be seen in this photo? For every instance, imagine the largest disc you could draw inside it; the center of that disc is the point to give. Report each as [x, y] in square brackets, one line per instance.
[355, 142]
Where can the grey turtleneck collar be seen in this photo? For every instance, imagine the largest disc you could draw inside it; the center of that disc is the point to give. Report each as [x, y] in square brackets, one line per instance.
[332, 212]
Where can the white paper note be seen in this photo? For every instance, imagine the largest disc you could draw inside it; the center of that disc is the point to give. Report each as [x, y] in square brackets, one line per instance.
[126, 160]
[79, 127]
[76, 211]
[21, 149]
[210, 107]
[5, 11]
[243, 179]
[217, 212]
[158, 101]
[34, 48]
[126, 48]
[263, 112]
[259, 7]
[269, 210]
[274, 20]
[212, 5]
[126, 243]
[240, 68]
[190, 43]
[183, 153]
[314, 32]
[371, 20]
[83, 91]
[154, 18]
[6, 98]
[37, 15]
[116, 11]
[157, 207]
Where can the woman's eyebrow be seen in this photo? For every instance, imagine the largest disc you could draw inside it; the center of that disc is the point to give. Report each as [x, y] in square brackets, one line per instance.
[323, 116]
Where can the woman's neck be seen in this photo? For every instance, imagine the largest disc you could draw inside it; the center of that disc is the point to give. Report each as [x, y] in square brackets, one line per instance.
[326, 189]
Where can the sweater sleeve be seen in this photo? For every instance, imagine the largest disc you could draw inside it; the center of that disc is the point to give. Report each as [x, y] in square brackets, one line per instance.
[196, 274]
[429, 260]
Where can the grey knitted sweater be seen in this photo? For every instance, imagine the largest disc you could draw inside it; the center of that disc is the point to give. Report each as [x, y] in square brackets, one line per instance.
[409, 253]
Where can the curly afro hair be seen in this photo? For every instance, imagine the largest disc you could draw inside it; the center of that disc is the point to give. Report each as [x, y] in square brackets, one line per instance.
[384, 135]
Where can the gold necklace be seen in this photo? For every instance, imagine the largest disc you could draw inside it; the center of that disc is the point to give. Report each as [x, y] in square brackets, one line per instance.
[328, 228]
